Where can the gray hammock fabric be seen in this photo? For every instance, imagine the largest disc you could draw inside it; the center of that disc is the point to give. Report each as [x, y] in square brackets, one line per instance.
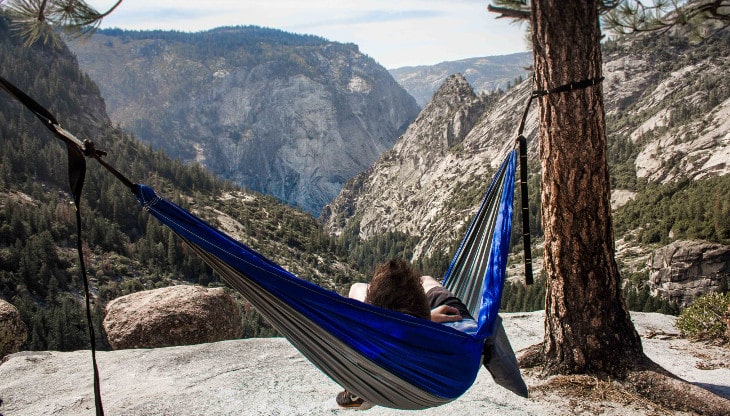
[386, 357]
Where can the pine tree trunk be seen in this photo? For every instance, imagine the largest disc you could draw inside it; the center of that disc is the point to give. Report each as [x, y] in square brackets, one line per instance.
[587, 327]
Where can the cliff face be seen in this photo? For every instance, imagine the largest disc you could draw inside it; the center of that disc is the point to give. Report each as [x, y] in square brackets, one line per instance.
[291, 116]
[666, 121]
[430, 182]
[126, 251]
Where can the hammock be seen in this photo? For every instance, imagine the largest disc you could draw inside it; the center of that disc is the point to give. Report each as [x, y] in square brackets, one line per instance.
[385, 357]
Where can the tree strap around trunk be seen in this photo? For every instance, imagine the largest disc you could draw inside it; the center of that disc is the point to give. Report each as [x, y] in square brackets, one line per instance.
[569, 87]
[522, 143]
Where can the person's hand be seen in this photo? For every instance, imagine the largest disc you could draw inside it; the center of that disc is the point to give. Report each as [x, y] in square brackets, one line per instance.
[445, 313]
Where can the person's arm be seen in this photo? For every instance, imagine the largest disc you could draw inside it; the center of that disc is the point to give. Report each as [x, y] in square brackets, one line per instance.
[445, 313]
[358, 291]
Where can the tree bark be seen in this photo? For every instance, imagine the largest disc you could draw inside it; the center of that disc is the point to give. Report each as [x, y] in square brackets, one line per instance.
[588, 329]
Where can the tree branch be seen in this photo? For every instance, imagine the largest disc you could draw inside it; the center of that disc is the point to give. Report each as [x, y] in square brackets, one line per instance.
[42, 11]
[509, 13]
[105, 14]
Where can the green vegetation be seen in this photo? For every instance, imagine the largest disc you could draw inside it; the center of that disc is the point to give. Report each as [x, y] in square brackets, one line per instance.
[683, 209]
[622, 154]
[126, 250]
[364, 255]
[641, 300]
[707, 319]
[219, 41]
[518, 297]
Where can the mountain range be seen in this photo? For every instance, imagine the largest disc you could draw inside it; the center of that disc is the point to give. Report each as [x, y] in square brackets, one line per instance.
[669, 153]
[485, 74]
[125, 250]
[292, 116]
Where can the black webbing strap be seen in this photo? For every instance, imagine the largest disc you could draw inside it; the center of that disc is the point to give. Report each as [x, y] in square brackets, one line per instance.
[563, 88]
[522, 143]
[77, 153]
[526, 243]
[92, 336]
[569, 87]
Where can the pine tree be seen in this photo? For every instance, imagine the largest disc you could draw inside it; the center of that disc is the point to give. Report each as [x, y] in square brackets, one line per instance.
[587, 327]
[40, 20]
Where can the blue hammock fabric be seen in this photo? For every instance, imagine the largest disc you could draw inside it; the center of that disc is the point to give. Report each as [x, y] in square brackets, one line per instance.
[386, 357]
[476, 273]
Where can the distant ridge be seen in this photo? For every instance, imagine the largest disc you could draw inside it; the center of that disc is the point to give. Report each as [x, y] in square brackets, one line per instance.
[485, 74]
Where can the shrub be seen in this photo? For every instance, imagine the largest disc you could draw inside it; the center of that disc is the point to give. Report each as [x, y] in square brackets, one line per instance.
[706, 318]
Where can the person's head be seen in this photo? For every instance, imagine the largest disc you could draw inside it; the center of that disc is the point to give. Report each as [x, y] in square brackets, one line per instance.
[396, 285]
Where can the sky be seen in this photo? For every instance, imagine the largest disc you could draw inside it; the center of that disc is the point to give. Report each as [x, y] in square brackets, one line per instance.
[395, 33]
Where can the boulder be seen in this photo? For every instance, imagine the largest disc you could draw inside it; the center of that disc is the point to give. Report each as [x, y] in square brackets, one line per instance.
[171, 316]
[684, 270]
[12, 329]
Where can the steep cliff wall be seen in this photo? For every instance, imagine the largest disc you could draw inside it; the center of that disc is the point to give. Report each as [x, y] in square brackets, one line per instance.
[288, 115]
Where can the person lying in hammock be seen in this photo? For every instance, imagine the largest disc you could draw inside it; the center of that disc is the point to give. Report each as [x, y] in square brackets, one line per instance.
[396, 285]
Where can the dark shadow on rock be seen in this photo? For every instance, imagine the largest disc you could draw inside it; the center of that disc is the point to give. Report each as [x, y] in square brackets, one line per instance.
[719, 389]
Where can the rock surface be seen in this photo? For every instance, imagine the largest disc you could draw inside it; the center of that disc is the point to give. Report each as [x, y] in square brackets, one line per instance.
[433, 179]
[683, 270]
[429, 191]
[12, 329]
[169, 316]
[269, 377]
[287, 115]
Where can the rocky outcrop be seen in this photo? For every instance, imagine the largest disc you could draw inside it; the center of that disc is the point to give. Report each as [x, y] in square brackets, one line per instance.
[12, 329]
[434, 178]
[666, 119]
[170, 316]
[287, 115]
[683, 270]
[267, 376]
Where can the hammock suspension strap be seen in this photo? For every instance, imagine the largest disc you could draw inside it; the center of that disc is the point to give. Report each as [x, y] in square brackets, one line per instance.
[572, 86]
[521, 142]
[77, 151]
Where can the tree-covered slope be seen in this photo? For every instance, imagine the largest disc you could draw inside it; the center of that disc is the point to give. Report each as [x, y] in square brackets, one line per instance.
[126, 250]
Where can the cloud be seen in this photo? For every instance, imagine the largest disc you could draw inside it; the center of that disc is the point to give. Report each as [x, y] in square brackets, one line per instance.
[373, 17]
